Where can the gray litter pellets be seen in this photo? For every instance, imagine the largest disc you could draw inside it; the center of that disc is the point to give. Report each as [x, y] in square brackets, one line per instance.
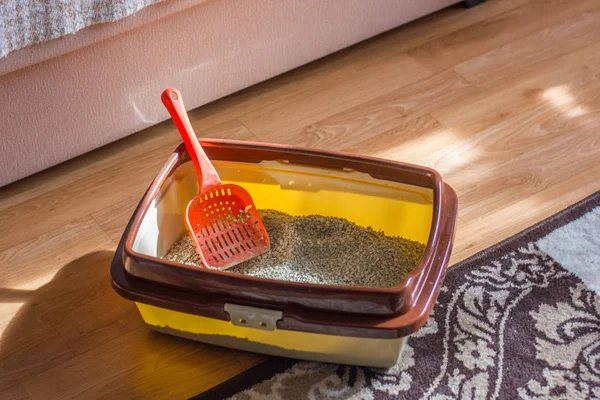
[324, 250]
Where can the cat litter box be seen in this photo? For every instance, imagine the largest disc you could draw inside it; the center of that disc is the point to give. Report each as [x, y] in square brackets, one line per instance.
[342, 324]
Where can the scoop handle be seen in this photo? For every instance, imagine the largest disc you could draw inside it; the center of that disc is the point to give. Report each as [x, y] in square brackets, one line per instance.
[208, 177]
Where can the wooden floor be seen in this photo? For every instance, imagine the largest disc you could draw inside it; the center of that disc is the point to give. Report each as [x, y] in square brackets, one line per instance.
[502, 99]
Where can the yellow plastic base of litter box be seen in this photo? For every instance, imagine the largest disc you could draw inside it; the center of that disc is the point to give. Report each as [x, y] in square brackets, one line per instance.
[309, 346]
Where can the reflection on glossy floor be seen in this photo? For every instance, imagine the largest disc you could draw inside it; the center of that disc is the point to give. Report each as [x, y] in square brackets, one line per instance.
[502, 99]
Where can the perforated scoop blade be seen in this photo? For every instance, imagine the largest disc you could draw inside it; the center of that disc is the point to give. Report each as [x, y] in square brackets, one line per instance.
[226, 227]
[222, 220]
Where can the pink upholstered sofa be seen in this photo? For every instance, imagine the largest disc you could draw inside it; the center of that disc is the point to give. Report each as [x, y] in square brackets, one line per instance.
[74, 93]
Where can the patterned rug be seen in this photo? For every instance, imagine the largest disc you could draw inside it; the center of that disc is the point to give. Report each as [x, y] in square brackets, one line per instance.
[520, 320]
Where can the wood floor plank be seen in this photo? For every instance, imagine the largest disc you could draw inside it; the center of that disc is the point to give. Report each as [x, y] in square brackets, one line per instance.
[111, 365]
[516, 216]
[188, 377]
[316, 104]
[33, 263]
[447, 51]
[524, 169]
[42, 278]
[14, 393]
[78, 282]
[382, 113]
[115, 217]
[409, 142]
[27, 349]
[97, 321]
[520, 167]
[523, 54]
[518, 94]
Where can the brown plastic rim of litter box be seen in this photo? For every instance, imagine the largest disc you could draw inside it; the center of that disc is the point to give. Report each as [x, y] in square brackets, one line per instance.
[294, 317]
[273, 293]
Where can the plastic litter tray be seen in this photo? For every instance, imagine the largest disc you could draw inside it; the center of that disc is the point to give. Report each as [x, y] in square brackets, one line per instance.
[350, 325]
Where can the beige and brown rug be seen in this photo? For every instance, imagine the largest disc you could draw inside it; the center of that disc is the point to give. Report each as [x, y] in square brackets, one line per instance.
[520, 320]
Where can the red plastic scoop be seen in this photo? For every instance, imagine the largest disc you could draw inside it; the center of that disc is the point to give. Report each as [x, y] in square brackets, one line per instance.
[222, 220]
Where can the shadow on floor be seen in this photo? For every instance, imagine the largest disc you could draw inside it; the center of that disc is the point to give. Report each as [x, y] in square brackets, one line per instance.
[74, 313]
